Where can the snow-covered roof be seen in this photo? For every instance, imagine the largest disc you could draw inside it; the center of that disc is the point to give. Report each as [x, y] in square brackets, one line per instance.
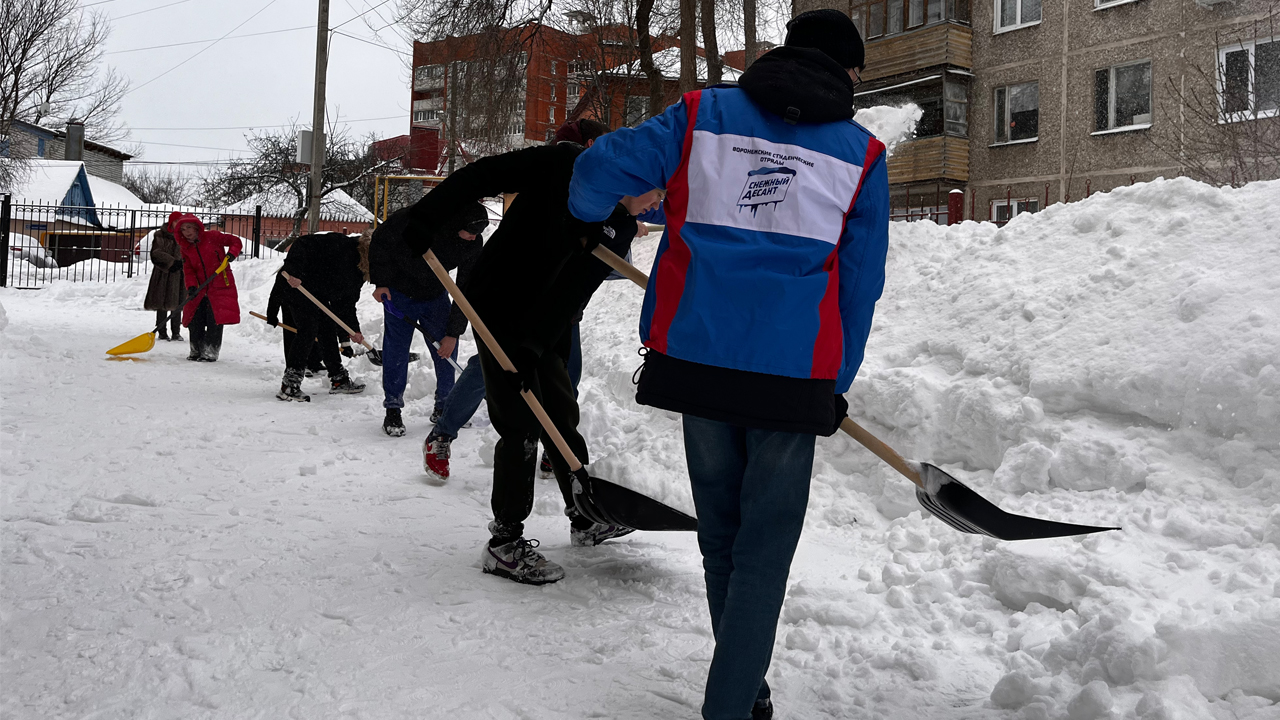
[48, 181]
[65, 183]
[280, 202]
[668, 63]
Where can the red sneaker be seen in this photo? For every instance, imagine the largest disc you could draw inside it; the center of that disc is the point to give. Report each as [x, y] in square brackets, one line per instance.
[435, 457]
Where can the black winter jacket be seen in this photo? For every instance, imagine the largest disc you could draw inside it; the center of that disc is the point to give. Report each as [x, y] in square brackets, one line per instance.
[393, 264]
[524, 286]
[328, 264]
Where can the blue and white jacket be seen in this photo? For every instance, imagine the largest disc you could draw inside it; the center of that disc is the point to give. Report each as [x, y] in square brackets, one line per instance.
[774, 251]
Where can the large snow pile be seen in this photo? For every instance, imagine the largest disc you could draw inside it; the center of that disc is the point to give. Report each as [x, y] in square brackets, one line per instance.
[176, 542]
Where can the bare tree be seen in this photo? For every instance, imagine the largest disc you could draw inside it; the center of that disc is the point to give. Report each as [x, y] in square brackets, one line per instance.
[749, 32]
[51, 65]
[688, 45]
[159, 185]
[710, 43]
[644, 37]
[272, 170]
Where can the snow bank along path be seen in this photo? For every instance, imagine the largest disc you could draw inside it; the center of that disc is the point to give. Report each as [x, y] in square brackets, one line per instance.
[177, 543]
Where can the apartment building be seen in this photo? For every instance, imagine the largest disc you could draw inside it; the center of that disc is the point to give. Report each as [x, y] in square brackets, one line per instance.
[1032, 102]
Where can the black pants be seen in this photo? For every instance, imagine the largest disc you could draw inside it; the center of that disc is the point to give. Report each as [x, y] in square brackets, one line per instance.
[516, 455]
[314, 330]
[314, 362]
[173, 318]
[205, 334]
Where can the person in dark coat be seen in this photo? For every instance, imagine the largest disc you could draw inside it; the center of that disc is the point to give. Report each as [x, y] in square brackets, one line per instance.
[528, 285]
[206, 256]
[331, 267]
[165, 293]
[758, 309]
[280, 305]
[402, 278]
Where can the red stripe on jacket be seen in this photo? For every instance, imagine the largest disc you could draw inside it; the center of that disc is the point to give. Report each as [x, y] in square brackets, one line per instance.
[674, 265]
[828, 347]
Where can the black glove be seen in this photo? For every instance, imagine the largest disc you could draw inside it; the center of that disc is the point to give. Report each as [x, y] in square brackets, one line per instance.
[191, 294]
[526, 362]
[347, 351]
[273, 322]
[231, 258]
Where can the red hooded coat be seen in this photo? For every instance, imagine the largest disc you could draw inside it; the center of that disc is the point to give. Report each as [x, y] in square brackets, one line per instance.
[199, 260]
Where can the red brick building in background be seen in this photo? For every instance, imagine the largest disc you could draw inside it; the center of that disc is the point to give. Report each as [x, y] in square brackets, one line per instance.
[555, 69]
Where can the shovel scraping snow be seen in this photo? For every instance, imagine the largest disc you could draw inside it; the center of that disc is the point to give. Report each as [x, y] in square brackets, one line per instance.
[591, 495]
[140, 344]
[945, 497]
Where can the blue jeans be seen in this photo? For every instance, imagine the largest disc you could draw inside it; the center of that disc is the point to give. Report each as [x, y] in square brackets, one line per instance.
[750, 488]
[463, 400]
[396, 336]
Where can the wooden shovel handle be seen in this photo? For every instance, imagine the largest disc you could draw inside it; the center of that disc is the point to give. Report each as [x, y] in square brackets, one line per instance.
[853, 429]
[326, 310]
[281, 325]
[492, 343]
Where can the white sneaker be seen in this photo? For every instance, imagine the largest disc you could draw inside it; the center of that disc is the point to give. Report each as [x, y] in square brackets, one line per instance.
[519, 561]
[596, 534]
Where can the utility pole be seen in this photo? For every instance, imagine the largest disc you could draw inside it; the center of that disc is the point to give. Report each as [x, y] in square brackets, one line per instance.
[317, 117]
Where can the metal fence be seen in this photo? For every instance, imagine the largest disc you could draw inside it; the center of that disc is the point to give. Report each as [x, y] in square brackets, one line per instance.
[40, 243]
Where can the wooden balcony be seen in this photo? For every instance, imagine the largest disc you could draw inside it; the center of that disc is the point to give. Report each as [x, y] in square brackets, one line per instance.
[942, 44]
[935, 158]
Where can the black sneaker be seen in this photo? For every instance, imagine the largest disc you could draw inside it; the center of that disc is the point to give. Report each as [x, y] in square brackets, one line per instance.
[436, 412]
[519, 560]
[393, 425]
[544, 467]
[762, 710]
[344, 385]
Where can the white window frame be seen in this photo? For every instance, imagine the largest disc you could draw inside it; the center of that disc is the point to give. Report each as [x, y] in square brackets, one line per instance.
[1111, 100]
[1104, 4]
[1220, 82]
[552, 113]
[1017, 203]
[996, 142]
[1018, 23]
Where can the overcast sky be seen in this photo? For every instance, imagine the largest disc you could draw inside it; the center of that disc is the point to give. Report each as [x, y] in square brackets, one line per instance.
[249, 81]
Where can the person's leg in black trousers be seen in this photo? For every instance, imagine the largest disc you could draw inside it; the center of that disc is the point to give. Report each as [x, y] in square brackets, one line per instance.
[198, 331]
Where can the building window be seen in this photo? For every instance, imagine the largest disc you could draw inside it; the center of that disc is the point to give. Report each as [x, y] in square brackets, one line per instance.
[1004, 210]
[426, 77]
[553, 92]
[552, 113]
[876, 18]
[553, 67]
[637, 110]
[1017, 112]
[1249, 80]
[1013, 14]
[1122, 96]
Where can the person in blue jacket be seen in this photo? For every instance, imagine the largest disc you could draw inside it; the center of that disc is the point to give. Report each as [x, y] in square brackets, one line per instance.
[758, 308]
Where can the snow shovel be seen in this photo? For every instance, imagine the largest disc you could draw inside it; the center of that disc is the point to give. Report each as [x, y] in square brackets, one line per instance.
[264, 318]
[945, 497]
[140, 344]
[395, 312]
[627, 508]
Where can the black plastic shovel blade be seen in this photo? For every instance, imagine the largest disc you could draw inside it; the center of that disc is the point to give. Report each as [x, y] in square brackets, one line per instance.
[604, 502]
[952, 502]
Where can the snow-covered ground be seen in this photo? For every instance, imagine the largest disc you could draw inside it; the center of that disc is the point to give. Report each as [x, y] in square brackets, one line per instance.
[178, 543]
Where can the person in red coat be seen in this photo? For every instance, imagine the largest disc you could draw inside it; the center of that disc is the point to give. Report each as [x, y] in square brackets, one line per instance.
[212, 304]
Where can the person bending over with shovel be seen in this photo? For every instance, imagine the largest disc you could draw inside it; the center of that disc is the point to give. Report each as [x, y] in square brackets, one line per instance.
[757, 311]
[527, 286]
[404, 284]
[333, 268]
[212, 301]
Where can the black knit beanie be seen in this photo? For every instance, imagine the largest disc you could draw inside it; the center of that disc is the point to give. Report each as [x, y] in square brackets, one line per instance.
[830, 31]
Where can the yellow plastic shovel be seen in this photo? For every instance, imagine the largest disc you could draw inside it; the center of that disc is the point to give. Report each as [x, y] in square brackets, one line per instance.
[140, 344]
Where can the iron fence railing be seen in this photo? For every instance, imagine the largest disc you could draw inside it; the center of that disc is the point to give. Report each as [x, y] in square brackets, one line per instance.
[40, 243]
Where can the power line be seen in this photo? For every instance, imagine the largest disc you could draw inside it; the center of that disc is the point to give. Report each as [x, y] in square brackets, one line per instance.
[266, 127]
[375, 44]
[201, 50]
[198, 147]
[357, 17]
[197, 42]
[140, 12]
